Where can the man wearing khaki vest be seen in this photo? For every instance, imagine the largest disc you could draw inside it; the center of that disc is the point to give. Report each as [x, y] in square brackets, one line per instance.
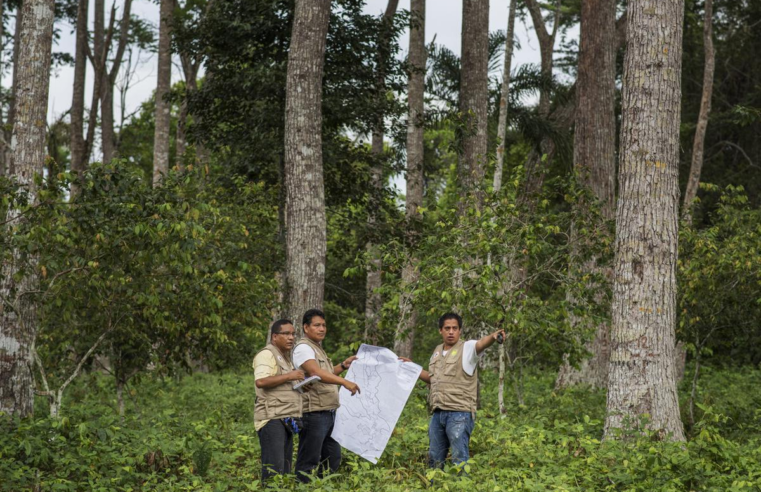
[277, 404]
[453, 378]
[316, 447]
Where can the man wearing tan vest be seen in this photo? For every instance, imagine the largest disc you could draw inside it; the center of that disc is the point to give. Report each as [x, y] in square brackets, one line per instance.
[277, 404]
[453, 378]
[317, 450]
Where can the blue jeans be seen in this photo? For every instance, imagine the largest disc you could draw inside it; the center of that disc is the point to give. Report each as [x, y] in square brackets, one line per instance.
[317, 450]
[449, 429]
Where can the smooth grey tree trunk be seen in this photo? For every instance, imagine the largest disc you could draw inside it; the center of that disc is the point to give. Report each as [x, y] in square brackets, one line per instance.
[305, 223]
[474, 100]
[594, 152]
[698, 144]
[642, 376]
[163, 85]
[77, 128]
[405, 336]
[18, 321]
[373, 301]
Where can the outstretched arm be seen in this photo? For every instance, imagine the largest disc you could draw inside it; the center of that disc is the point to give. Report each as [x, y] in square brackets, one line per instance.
[488, 340]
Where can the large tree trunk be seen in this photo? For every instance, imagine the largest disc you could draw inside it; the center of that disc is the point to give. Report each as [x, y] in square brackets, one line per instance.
[405, 336]
[18, 322]
[642, 379]
[304, 186]
[163, 86]
[373, 301]
[77, 128]
[705, 110]
[594, 151]
[474, 100]
[502, 117]
[4, 142]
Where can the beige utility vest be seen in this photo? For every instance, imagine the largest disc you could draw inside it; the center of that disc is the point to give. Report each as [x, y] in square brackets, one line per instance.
[320, 396]
[451, 387]
[280, 401]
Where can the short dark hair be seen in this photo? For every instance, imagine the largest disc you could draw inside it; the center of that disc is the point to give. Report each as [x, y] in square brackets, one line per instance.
[275, 328]
[307, 319]
[447, 316]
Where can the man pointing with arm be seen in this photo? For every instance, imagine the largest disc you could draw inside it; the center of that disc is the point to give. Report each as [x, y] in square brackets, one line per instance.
[453, 378]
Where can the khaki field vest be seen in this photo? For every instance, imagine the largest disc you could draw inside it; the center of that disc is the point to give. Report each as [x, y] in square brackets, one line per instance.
[451, 388]
[321, 396]
[281, 401]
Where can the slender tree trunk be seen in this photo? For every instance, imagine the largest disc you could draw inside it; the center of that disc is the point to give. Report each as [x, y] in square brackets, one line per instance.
[373, 301]
[536, 166]
[190, 70]
[474, 100]
[18, 322]
[163, 86]
[108, 131]
[120, 398]
[108, 136]
[99, 67]
[304, 186]
[594, 161]
[705, 110]
[77, 127]
[502, 118]
[642, 379]
[498, 167]
[405, 336]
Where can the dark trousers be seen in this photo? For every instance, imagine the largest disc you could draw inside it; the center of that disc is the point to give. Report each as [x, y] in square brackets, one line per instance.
[277, 449]
[316, 447]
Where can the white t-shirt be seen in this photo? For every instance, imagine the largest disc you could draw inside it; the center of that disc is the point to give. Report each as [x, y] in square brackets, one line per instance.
[469, 357]
[303, 353]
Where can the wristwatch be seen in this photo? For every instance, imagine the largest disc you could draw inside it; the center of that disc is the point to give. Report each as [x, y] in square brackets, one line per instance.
[343, 366]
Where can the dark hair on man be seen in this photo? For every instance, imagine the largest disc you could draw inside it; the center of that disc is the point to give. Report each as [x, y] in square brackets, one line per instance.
[447, 316]
[275, 328]
[307, 320]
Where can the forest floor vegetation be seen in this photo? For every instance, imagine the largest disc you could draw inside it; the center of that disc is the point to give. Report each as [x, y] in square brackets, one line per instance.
[197, 434]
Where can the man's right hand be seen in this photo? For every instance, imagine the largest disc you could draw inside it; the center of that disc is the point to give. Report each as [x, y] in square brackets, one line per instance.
[296, 375]
[352, 387]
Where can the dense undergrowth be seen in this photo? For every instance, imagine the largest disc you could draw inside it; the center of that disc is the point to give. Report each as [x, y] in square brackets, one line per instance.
[197, 434]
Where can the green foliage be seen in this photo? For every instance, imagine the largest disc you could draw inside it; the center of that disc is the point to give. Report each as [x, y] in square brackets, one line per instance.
[551, 443]
[719, 280]
[181, 271]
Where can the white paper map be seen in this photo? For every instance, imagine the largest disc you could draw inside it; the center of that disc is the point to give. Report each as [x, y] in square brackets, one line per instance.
[364, 422]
